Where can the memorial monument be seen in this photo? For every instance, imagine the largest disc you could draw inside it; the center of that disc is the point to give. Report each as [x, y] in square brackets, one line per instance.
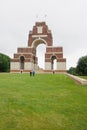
[26, 60]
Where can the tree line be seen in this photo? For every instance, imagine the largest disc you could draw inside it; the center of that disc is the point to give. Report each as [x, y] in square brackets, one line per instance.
[4, 63]
[81, 68]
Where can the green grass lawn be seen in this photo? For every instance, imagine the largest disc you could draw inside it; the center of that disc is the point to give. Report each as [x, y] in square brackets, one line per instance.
[42, 102]
[84, 77]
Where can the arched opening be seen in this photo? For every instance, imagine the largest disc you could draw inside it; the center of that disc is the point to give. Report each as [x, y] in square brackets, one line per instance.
[39, 45]
[22, 62]
[38, 41]
[40, 53]
[53, 63]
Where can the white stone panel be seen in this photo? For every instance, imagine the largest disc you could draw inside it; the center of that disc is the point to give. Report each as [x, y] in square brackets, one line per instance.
[39, 29]
[61, 65]
[28, 66]
[47, 66]
[15, 66]
[35, 36]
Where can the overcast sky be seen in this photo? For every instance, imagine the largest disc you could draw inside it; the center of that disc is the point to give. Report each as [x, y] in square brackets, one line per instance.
[67, 19]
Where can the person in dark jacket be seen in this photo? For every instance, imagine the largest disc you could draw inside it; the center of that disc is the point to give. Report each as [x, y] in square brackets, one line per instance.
[30, 73]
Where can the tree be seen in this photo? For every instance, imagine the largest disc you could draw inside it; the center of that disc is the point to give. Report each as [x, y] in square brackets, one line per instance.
[72, 70]
[81, 68]
[4, 63]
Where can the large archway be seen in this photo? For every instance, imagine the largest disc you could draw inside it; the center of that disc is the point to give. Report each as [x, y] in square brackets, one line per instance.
[40, 53]
[38, 41]
[39, 46]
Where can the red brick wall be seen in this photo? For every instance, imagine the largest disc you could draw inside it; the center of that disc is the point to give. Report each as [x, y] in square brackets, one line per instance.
[54, 49]
[25, 50]
[45, 31]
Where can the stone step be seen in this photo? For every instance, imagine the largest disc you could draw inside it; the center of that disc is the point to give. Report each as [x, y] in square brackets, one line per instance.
[39, 71]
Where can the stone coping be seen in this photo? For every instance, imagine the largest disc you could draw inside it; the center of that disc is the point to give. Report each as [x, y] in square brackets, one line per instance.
[78, 79]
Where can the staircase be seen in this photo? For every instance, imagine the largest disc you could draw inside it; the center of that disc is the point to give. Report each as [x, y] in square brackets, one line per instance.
[39, 71]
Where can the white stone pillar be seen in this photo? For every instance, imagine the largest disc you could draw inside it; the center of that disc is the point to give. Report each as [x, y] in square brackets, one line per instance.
[47, 66]
[15, 65]
[61, 65]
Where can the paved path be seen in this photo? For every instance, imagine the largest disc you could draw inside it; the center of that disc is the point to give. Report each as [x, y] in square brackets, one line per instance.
[78, 79]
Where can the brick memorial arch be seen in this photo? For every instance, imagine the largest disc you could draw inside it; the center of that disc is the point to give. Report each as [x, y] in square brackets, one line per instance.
[25, 59]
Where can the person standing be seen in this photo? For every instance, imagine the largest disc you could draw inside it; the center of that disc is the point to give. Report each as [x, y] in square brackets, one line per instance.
[33, 72]
[30, 73]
